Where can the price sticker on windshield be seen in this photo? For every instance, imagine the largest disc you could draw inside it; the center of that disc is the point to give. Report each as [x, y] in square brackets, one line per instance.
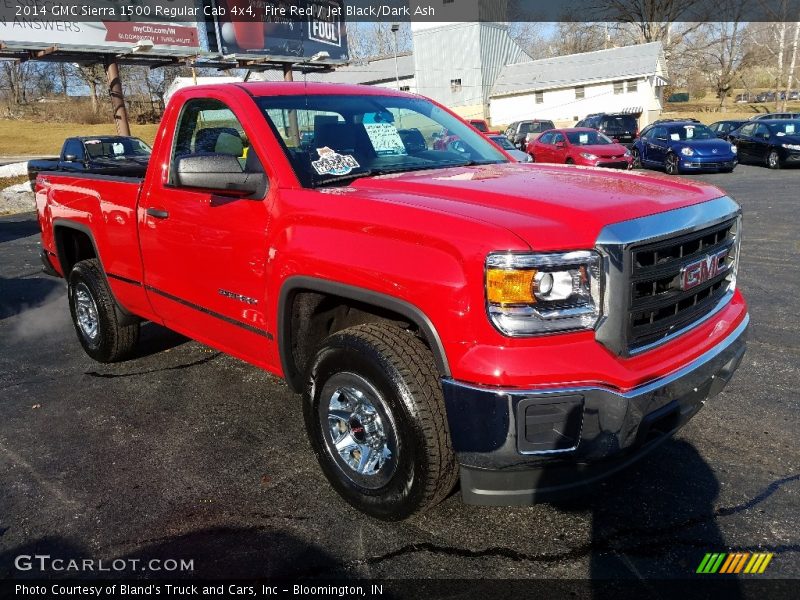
[385, 139]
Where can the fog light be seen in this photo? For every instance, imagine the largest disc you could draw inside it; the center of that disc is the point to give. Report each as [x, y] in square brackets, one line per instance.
[549, 424]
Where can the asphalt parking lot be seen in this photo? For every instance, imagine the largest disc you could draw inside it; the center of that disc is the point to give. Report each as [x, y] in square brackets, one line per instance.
[183, 452]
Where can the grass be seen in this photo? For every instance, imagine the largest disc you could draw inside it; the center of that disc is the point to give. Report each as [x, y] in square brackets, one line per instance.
[9, 181]
[20, 137]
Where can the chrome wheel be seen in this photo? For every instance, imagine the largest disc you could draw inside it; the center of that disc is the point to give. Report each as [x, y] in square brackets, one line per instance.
[85, 312]
[358, 430]
[773, 160]
[672, 165]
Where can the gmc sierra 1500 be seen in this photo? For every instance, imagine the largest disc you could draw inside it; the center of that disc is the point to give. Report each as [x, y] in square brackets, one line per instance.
[443, 312]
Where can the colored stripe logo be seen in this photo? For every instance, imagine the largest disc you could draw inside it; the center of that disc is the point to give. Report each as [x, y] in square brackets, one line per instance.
[735, 562]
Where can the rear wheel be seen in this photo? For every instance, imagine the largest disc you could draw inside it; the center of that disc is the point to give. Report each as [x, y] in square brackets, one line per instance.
[375, 416]
[569, 161]
[774, 159]
[92, 307]
[671, 166]
[533, 158]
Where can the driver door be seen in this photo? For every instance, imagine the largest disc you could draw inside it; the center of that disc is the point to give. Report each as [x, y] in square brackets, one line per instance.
[205, 252]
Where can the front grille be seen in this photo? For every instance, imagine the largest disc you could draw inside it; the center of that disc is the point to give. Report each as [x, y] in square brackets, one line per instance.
[657, 305]
[613, 164]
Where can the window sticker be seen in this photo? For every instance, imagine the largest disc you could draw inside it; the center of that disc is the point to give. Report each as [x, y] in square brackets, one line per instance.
[332, 163]
[780, 133]
[118, 148]
[675, 137]
[790, 128]
[584, 138]
[385, 139]
[689, 131]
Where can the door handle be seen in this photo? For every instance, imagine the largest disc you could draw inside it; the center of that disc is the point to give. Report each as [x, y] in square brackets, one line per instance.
[157, 213]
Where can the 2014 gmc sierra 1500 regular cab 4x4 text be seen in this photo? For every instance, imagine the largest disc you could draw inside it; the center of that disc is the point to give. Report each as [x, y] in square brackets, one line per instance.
[445, 313]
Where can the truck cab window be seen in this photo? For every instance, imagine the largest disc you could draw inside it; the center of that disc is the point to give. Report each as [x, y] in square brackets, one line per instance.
[208, 126]
[74, 148]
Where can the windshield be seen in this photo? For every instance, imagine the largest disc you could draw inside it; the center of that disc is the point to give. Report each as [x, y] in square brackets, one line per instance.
[329, 138]
[116, 147]
[785, 128]
[480, 126]
[619, 123]
[587, 138]
[690, 132]
[502, 141]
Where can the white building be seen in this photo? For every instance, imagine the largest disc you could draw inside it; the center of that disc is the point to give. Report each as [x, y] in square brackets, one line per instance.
[565, 89]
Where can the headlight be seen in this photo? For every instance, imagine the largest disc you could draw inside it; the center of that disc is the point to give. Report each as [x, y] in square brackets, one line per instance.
[529, 294]
[528, 158]
[627, 152]
[687, 151]
[791, 146]
[588, 156]
[734, 149]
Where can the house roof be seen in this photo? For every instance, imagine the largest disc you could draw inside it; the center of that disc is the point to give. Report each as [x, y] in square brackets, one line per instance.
[572, 69]
[374, 71]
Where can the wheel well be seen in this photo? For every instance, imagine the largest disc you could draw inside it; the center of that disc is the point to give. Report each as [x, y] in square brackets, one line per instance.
[309, 316]
[72, 246]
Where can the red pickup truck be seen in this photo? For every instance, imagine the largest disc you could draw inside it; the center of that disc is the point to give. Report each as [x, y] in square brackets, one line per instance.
[525, 328]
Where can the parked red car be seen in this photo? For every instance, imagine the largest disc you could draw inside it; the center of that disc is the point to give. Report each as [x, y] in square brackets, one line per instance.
[483, 127]
[580, 146]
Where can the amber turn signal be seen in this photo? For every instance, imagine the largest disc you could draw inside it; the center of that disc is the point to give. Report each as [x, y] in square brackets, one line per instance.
[510, 286]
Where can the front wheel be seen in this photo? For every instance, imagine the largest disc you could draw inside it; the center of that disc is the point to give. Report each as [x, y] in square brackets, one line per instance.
[773, 159]
[92, 307]
[637, 159]
[374, 412]
[672, 165]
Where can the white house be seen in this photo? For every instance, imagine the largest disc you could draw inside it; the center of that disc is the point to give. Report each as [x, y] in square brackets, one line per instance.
[565, 89]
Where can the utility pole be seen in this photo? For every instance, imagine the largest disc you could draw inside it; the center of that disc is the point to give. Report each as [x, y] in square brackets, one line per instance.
[395, 29]
[119, 111]
[294, 128]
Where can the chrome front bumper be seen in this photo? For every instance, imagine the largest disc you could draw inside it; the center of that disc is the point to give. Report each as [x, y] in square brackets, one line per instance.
[511, 455]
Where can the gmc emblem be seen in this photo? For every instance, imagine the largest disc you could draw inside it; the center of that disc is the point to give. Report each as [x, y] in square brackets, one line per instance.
[702, 270]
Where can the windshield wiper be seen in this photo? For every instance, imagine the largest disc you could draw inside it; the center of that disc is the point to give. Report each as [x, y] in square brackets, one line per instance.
[347, 177]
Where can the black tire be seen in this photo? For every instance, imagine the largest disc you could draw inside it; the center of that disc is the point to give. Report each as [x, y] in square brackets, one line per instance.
[637, 159]
[393, 371]
[91, 301]
[774, 159]
[672, 165]
[569, 161]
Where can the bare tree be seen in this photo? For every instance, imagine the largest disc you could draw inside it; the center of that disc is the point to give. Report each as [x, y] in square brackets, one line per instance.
[792, 61]
[15, 80]
[370, 40]
[94, 77]
[720, 50]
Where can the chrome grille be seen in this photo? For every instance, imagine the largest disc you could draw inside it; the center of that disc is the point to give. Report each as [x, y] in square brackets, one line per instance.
[657, 304]
[644, 301]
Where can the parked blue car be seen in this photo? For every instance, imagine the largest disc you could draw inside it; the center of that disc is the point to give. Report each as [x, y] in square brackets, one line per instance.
[681, 147]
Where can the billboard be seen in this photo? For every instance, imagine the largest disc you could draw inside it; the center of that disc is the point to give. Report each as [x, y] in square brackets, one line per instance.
[290, 29]
[177, 37]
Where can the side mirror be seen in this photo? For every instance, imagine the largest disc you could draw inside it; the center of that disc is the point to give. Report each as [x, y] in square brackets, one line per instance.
[220, 173]
[70, 158]
[560, 144]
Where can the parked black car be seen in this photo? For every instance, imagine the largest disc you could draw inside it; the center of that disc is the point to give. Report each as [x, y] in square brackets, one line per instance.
[773, 143]
[518, 131]
[103, 155]
[723, 128]
[776, 115]
[620, 127]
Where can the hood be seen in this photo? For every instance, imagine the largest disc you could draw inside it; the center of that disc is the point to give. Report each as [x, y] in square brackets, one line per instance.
[603, 150]
[550, 207]
[787, 139]
[706, 147]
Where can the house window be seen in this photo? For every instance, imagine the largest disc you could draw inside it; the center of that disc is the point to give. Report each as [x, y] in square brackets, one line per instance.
[455, 85]
[618, 87]
[579, 92]
[633, 85]
[405, 88]
[539, 97]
